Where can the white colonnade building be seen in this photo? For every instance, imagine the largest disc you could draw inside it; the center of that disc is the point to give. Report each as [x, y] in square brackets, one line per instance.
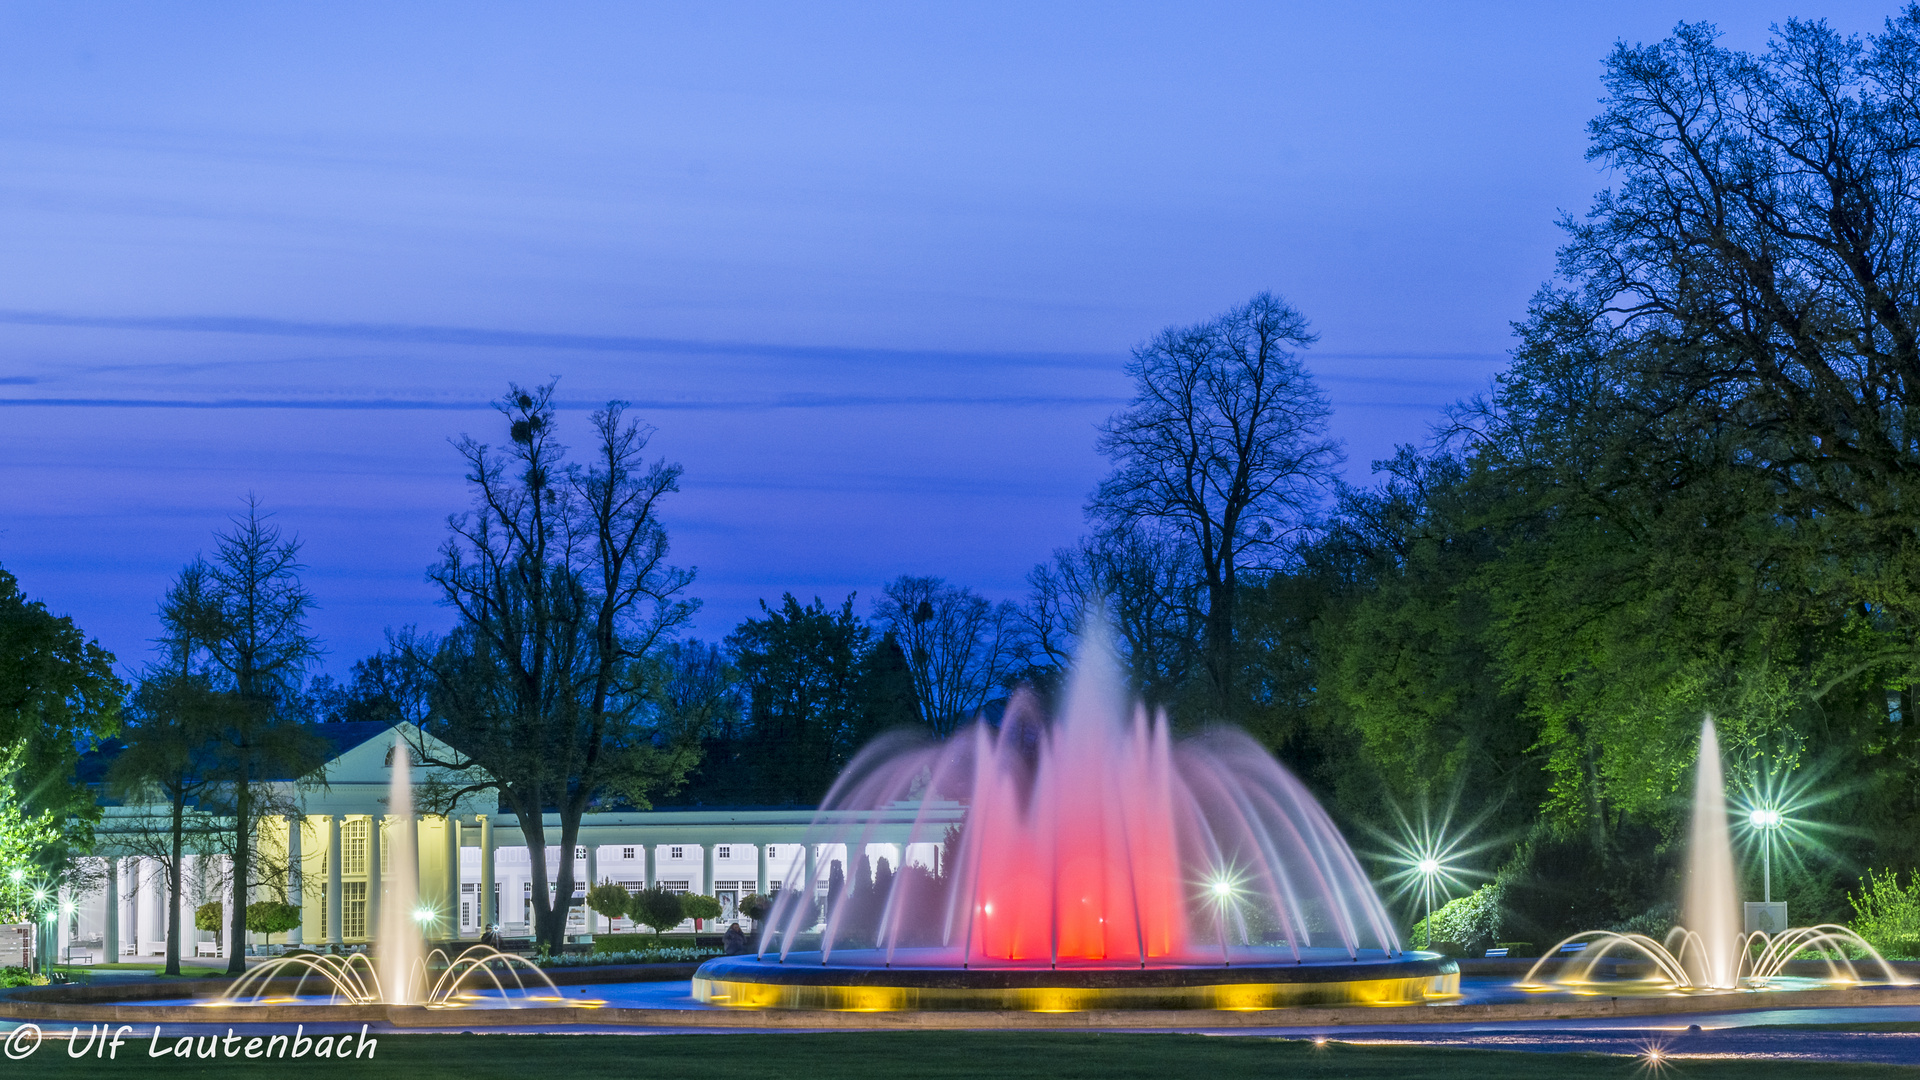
[474, 865]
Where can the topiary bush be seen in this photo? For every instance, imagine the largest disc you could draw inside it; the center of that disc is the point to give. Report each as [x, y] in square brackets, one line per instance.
[207, 916]
[268, 917]
[696, 906]
[657, 909]
[610, 900]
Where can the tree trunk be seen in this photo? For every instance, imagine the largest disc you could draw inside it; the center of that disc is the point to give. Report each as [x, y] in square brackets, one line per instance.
[242, 852]
[173, 884]
[1220, 643]
[563, 883]
[533, 828]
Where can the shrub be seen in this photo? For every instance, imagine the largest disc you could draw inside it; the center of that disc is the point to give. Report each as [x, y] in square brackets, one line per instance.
[755, 906]
[1520, 948]
[267, 917]
[1473, 921]
[695, 906]
[207, 916]
[610, 900]
[657, 909]
[19, 976]
[670, 954]
[1886, 913]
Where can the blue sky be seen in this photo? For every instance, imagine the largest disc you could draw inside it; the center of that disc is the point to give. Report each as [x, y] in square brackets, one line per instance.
[871, 271]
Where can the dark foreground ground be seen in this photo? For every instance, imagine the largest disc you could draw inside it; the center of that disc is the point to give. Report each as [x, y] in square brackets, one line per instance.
[919, 1055]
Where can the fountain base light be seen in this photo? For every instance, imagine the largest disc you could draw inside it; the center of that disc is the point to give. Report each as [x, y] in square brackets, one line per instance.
[857, 980]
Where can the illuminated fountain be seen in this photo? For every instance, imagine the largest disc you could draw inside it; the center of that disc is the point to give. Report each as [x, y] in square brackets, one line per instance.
[1100, 863]
[1709, 952]
[402, 971]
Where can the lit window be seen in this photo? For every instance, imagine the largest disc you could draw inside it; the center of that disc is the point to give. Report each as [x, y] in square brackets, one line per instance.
[673, 853]
[626, 853]
[725, 853]
[353, 909]
[353, 847]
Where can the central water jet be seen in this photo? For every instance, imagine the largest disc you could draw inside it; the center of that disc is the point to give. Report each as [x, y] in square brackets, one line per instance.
[1098, 862]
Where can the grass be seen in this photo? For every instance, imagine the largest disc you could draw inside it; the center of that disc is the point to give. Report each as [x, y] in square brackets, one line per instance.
[928, 1055]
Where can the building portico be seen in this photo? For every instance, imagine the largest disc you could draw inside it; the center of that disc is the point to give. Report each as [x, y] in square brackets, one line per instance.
[473, 864]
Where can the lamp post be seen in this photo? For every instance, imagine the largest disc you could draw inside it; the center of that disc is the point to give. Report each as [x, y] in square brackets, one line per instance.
[1767, 821]
[1429, 869]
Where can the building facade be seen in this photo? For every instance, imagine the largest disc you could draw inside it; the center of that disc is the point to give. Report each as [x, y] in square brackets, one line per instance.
[332, 855]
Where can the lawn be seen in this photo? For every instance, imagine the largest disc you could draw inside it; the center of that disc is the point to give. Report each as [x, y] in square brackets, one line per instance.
[920, 1055]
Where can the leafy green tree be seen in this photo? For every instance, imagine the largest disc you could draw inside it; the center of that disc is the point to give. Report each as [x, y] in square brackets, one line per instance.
[609, 901]
[818, 686]
[239, 620]
[168, 760]
[270, 917]
[696, 906]
[59, 696]
[657, 908]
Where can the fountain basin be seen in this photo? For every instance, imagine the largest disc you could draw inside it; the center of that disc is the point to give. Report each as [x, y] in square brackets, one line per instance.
[859, 980]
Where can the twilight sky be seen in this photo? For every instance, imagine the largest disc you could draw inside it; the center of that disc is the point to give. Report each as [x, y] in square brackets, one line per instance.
[872, 271]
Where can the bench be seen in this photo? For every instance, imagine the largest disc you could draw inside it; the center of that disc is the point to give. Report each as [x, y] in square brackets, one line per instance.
[80, 956]
[1496, 952]
[1578, 946]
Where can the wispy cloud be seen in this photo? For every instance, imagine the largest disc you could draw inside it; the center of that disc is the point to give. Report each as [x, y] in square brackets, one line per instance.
[469, 336]
[785, 401]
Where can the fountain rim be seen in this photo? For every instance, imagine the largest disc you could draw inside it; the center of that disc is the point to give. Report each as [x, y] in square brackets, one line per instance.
[805, 969]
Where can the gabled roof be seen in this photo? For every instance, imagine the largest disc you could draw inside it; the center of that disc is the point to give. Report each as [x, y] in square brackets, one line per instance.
[340, 737]
[347, 734]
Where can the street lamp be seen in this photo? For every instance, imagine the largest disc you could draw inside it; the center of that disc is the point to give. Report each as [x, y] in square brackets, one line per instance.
[1767, 821]
[1429, 869]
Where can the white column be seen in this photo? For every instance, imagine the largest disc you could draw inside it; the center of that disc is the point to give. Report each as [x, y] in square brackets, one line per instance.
[452, 824]
[63, 934]
[111, 946]
[489, 914]
[296, 824]
[706, 869]
[653, 874]
[593, 878]
[142, 920]
[374, 821]
[760, 869]
[333, 881]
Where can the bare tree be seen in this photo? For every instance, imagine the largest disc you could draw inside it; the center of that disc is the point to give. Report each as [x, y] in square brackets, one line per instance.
[1224, 445]
[560, 578]
[1144, 585]
[960, 646]
[239, 620]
